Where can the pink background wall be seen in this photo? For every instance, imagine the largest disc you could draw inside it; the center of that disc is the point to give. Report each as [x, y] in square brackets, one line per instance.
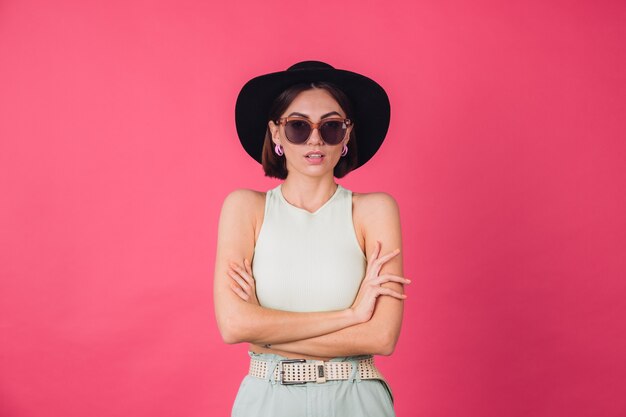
[506, 155]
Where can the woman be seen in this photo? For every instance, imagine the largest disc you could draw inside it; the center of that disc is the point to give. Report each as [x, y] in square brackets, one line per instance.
[291, 276]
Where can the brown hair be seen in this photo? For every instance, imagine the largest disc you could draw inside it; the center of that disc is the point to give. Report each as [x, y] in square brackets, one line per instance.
[274, 165]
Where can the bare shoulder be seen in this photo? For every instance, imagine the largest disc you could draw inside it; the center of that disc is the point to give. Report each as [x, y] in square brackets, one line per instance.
[242, 207]
[244, 199]
[374, 204]
[377, 218]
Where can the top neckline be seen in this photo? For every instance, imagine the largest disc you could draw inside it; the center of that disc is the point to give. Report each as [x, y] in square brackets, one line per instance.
[282, 197]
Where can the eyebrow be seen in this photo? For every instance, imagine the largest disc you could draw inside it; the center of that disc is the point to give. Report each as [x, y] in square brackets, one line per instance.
[332, 113]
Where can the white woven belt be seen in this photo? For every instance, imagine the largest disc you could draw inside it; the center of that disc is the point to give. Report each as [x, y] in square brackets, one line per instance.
[299, 371]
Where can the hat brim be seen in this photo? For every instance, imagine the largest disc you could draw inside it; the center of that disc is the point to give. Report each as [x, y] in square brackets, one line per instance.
[369, 100]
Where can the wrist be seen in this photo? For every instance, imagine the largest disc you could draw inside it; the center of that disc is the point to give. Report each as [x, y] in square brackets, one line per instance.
[353, 316]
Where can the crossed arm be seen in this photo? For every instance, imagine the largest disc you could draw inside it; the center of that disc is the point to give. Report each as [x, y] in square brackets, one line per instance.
[370, 326]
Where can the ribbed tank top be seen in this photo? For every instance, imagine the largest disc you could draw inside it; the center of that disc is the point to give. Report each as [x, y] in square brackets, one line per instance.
[307, 261]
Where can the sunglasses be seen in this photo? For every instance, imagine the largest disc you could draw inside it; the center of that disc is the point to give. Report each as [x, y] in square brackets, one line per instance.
[298, 130]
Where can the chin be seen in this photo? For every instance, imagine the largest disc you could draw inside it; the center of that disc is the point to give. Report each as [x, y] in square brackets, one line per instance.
[315, 171]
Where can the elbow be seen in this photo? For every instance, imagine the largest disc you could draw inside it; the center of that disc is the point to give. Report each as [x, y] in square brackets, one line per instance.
[386, 344]
[235, 324]
[229, 337]
[386, 350]
[230, 331]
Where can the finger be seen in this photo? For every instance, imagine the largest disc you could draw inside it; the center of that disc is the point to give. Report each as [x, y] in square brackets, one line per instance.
[249, 276]
[378, 263]
[244, 287]
[375, 252]
[239, 292]
[242, 283]
[389, 255]
[243, 273]
[394, 278]
[240, 269]
[249, 279]
[391, 293]
[235, 266]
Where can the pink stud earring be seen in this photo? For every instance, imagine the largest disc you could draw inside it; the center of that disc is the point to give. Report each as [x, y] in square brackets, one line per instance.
[344, 151]
[279, 150]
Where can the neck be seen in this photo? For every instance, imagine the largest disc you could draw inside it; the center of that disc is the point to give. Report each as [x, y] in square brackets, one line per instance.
[309, 193]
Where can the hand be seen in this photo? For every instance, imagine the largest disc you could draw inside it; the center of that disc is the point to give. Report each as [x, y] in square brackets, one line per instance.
[371, 286]
[244, 284]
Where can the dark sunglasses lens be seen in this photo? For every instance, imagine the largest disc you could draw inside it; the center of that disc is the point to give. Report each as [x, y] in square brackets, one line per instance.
[333, 131]
[297, 131]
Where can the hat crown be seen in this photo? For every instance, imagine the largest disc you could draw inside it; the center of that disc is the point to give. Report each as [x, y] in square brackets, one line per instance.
[371, 109]
[309, 65]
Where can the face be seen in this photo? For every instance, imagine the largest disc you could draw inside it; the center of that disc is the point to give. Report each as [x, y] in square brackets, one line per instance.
[315, 105]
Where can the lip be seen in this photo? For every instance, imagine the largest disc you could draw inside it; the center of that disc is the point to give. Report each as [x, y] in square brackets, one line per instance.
[315, 161]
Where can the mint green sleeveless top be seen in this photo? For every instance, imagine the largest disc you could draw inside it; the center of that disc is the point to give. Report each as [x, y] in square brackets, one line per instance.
[307, 261]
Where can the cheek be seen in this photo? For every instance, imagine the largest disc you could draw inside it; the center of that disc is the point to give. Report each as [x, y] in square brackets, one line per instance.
[334, 155]
[290, 153]
[288, 148]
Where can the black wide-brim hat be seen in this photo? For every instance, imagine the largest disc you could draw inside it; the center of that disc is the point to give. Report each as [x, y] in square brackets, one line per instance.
[369, 101]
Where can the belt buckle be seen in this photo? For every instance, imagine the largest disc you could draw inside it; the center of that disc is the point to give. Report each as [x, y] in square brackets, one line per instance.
[282, 372]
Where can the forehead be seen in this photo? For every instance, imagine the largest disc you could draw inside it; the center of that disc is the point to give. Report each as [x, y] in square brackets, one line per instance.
[314, 102]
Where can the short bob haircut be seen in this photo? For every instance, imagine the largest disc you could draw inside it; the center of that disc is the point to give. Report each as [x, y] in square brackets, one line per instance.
[274, 165]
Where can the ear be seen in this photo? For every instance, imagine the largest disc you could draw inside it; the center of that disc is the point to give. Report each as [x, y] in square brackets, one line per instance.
[273, 127]
[349, 135]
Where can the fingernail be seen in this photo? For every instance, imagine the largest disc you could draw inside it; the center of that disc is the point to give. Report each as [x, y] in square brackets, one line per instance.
[408, 281]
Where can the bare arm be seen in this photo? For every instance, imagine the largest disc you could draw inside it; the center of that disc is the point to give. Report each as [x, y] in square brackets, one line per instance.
[239, 321]
[375, 337]
[379, 335]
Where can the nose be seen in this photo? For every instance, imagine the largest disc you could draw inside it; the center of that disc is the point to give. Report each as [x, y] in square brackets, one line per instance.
[315, 137]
